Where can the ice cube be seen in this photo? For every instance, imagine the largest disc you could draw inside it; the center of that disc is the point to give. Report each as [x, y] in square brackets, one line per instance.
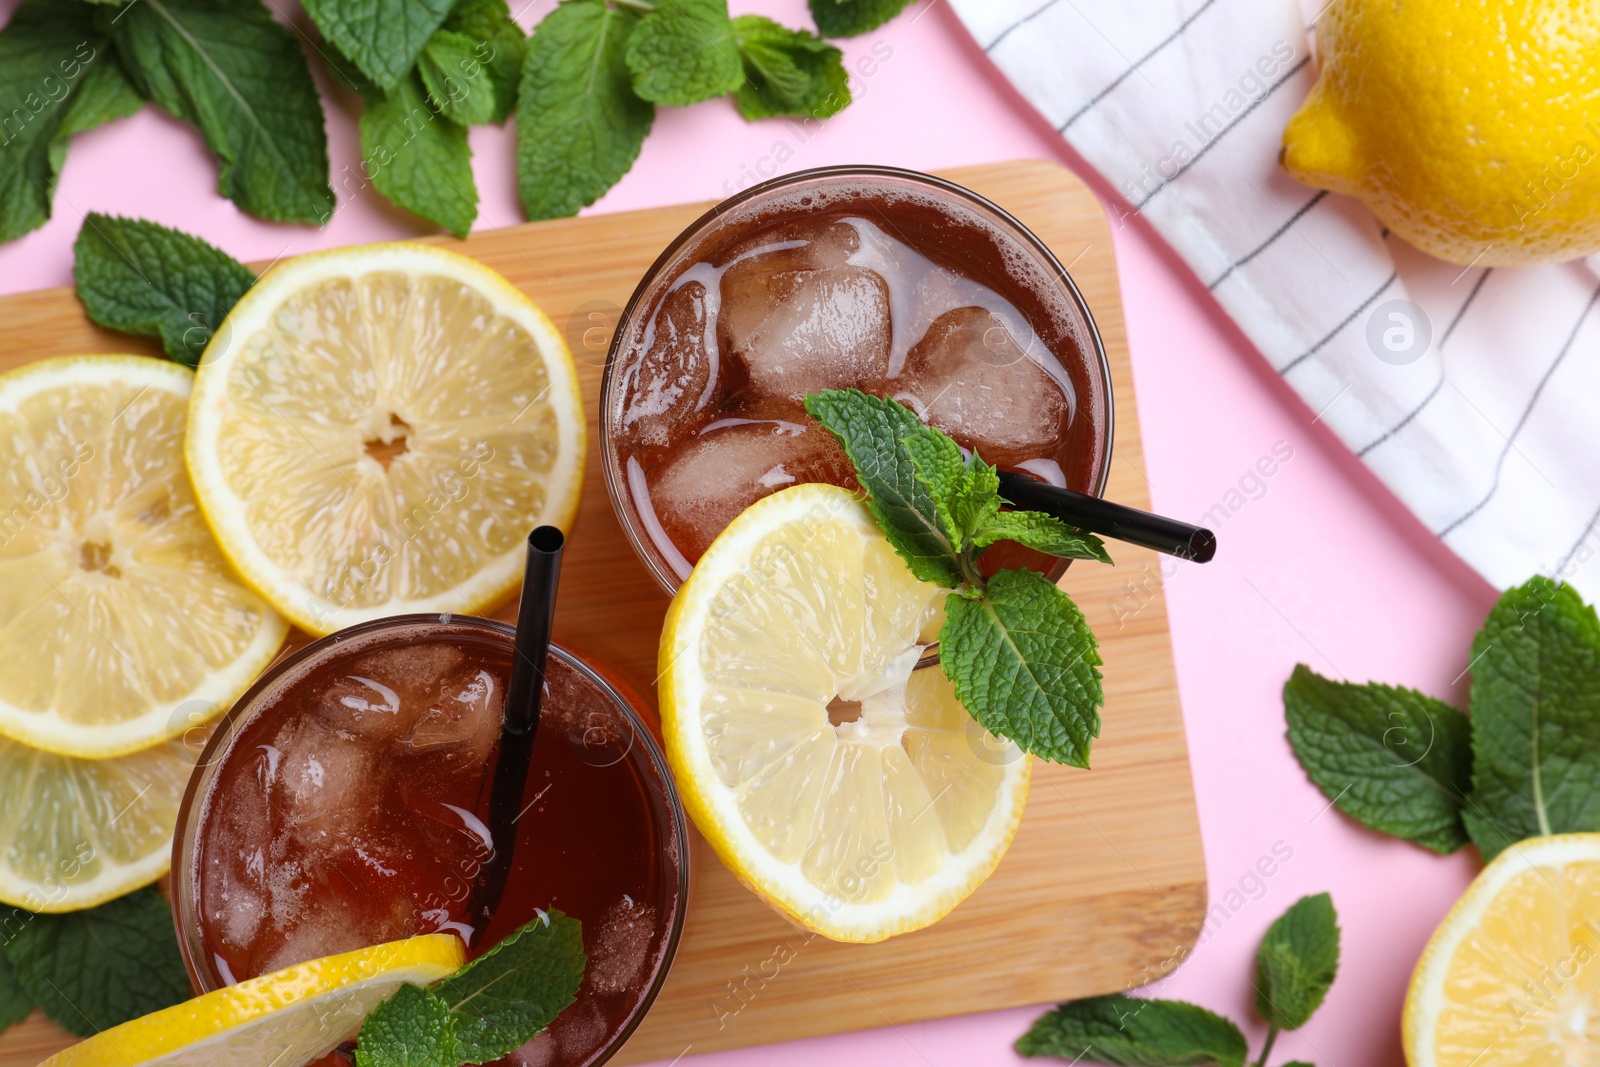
[731, 465]
[465, 717]
[971, 379]
[794, 332]
[338, 921]
[619, 945]
[673, 376]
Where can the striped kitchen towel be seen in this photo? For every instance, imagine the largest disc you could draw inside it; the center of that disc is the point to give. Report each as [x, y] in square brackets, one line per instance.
[1474, 393]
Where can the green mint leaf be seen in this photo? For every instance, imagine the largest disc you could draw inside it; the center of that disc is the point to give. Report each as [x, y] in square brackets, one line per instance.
[140, 277]
[1296, 962]
[346, 73]
[1026, 665]
[1042, 533]
[50, 58]
[94, 969]
[229, 68]
[418, 158]
[15, 1003]
[1299, 1063]
[683, 52]
[504, 997]
[456, 79]
[579, 122]
[846, 18]
[382, 37]
[501, 46]
[413, 1028]
[1393, 759]
[1136, 1033]
[788, 72]
[872, 431]
[942, 470]
[1535, 718]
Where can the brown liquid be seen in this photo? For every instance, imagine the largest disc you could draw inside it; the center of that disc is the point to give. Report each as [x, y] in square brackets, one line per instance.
[331, 826]
[901, 297]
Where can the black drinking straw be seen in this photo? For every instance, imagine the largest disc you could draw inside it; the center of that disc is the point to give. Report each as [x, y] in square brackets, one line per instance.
[520, 721]
[1117, 521]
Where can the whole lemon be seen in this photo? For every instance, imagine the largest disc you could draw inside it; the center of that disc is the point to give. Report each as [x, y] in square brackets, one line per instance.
[1470, 127]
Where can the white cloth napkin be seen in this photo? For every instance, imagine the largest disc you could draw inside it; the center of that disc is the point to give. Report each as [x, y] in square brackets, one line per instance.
[1474, 394]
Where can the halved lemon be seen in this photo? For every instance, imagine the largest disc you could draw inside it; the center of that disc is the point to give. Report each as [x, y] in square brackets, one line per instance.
[1512, 975]
[375, 430]
[290, 1017]
[848, 789]
[120, 623]
[75, 833]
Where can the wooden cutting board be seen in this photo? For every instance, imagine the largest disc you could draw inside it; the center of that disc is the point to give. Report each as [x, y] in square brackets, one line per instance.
[1104, 888]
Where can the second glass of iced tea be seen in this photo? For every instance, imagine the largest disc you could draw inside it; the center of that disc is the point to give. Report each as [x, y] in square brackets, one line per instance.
[344, 802]
[892, 282]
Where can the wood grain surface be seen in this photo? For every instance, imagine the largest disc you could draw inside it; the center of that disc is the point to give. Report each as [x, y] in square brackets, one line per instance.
[1104, 887]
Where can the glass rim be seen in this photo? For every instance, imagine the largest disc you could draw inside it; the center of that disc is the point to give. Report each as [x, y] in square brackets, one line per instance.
[643, 548]
[184, 909]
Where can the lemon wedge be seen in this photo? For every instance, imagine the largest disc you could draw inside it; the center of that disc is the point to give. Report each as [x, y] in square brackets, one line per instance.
[290, 1017]
[848, 789]
[1510, 976]
[375, 430]
[120, 623]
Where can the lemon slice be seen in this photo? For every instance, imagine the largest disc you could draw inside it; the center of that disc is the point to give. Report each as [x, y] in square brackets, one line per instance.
[850, 791]
[75, 833]
[120, 624]
[1512, 975]
[375, 430]
[290, 1017]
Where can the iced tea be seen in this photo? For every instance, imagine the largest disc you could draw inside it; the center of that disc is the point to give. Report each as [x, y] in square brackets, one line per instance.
[887, 281]
[345, 803]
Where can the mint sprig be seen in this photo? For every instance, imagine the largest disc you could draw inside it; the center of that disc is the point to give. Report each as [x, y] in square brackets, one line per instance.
[1295, 966]
[1017, 649]
[491, 1007]
[1398, 761]
[788, 72]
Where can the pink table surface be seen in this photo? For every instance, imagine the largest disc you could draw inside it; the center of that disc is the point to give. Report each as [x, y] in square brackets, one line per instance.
[1318, 564]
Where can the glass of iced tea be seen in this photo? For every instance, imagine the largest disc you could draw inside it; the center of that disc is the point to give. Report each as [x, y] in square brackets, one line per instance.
[889, 281]
[344, 802]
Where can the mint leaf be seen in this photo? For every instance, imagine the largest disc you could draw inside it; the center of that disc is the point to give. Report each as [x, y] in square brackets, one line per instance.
[91, 970]
[683, 52]
[140, 277]
[501, 46]
[788, 72]
[456, 79]
[1136, 1033]
[872, 431]
[846, 18]
[942, 470]
[504, 997]
[1026, 665]
[227, 67]
[382, 37]
[1535, 718]
[1296, 962]
[1393, 759]
[418, 158]
[579, 123]
[51, 57]
[1042, 533]
[15, 1003]
[413, 1028]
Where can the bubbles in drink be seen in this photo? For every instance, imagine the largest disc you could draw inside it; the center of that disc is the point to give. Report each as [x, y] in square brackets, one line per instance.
[463, 721]
[619, 946]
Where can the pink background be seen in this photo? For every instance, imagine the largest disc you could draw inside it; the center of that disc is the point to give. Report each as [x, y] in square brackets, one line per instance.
[1322, 567]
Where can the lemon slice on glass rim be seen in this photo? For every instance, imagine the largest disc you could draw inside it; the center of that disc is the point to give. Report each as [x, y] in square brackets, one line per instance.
[848, 789]
[120, 623]
[375, 430]
[290, 1017]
